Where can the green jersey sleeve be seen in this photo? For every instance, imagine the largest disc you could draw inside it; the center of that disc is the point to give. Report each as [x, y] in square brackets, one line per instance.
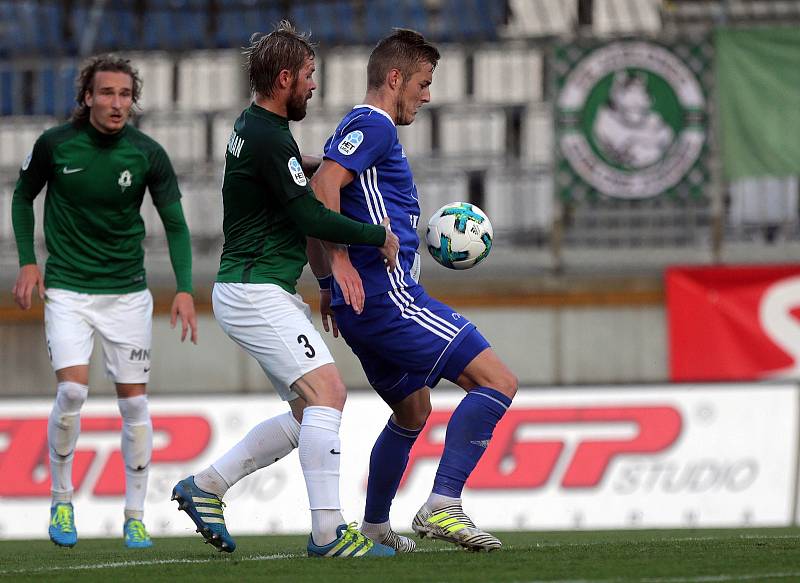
[33, 175]
[179, 243]
[282, 168]
[161, 179]
[313, 219]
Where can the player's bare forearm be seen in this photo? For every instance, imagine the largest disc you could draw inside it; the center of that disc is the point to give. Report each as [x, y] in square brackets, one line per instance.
[309, 164]
[317, 259]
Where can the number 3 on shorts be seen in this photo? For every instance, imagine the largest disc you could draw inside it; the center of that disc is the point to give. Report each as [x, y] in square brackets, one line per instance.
[310, 352]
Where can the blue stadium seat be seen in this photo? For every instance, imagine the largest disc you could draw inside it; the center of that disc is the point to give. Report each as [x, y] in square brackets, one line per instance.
[6, 92]
[470, 20]
[234, 27]
[328, 22]
[383, 15]
[55, 93]
[48, 31]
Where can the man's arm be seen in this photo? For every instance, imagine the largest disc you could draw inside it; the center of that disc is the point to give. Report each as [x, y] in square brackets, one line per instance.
[309, 164]
[327, 184]
[32, 177]
[180, 255]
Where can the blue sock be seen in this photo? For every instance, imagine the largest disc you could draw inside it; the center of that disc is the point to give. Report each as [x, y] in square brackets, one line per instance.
[468, 434]
[387, 463]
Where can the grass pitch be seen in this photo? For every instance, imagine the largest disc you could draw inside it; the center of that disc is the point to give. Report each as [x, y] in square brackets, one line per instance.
[653, 556]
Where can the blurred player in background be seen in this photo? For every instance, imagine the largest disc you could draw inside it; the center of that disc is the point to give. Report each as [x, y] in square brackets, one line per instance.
[406, 340]
[97, 168]
[269, 209]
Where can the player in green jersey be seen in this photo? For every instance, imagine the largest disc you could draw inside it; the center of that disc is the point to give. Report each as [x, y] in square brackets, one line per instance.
[269, 211]
[96, 168]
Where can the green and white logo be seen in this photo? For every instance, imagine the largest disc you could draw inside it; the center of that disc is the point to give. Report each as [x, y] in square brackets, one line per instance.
[125, 179]
[631, 120]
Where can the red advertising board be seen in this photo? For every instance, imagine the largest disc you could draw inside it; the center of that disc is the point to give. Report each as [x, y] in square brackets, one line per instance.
[733, 322]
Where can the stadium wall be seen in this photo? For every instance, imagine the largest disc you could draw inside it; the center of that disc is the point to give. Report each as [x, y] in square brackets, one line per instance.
[544, 345]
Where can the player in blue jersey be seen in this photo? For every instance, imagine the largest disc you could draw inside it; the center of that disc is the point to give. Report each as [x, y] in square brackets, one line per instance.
[406, 340]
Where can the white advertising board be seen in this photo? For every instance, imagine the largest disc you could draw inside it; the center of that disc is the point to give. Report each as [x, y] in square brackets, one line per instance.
[591, 458]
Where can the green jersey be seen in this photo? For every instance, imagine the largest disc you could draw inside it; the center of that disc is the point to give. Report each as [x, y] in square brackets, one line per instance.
[269, 207]
[92, 223]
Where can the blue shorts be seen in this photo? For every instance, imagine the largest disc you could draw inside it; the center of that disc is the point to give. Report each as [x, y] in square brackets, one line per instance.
[407, 340]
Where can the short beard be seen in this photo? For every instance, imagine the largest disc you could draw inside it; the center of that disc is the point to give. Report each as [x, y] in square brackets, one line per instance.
[296, 106]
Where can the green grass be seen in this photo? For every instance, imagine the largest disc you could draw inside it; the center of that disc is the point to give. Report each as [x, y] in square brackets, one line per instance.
[653, 556]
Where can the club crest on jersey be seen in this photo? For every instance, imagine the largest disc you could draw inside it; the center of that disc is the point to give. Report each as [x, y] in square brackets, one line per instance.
[351, 142]
[125, 179]
[27, 161]
[296, 171]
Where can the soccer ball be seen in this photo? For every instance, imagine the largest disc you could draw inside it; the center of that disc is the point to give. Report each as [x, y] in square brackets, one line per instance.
[459, 235]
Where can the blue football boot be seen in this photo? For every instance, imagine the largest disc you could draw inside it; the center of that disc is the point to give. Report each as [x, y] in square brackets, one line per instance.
[62, 525]
[136, 536]
[205, 510]
[349, 543]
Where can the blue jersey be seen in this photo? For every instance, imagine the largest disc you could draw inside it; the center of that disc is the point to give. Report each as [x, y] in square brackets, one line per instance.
[365, 142]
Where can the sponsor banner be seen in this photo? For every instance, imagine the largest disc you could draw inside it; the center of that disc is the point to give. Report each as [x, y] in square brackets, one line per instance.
[632, 118]
[734, 323]
[693, 456]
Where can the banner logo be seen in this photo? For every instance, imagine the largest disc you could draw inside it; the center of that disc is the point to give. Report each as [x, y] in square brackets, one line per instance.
[512, 462]
[25, 467]
[631, 119]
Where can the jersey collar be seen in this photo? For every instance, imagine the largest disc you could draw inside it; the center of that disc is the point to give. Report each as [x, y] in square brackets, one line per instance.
[378, 109]
[102, 139]
[262, 112]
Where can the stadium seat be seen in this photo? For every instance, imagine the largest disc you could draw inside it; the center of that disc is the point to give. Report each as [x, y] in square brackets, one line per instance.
[7, 93]
[450, 77]
[511, 74]
[622, 16]
[382, 15]
[436, 189]
[328, 22]
[17, 136]
[202, 207]
[518, 199]
[238, 19]
[532, 18]
[211, 81]
[312, 133]
[183, 135]
[472, 130]
[537, 134]
[763, 204]
[156, 70]
[345, 77]
[469, 20]
[55, 94]
[417, 138]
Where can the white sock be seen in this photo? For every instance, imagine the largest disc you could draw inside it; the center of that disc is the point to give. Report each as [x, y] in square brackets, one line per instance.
[438, 501]
[137, 449]
[265, 444]
[63, 427]
[320, 450]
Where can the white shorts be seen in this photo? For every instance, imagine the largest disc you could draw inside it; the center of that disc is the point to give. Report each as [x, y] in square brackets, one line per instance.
[124, 323]
[274, 327]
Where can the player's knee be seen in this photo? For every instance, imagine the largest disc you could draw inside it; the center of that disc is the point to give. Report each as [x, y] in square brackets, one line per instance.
[414, 419]
[70, 396]
[336, 394]
[507, 383]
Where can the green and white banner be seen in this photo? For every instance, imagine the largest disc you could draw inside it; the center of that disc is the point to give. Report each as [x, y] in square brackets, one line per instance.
[631, 118]
[758, 75]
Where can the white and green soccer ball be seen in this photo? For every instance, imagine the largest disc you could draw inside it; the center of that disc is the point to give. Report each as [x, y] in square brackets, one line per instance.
[459, 235]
